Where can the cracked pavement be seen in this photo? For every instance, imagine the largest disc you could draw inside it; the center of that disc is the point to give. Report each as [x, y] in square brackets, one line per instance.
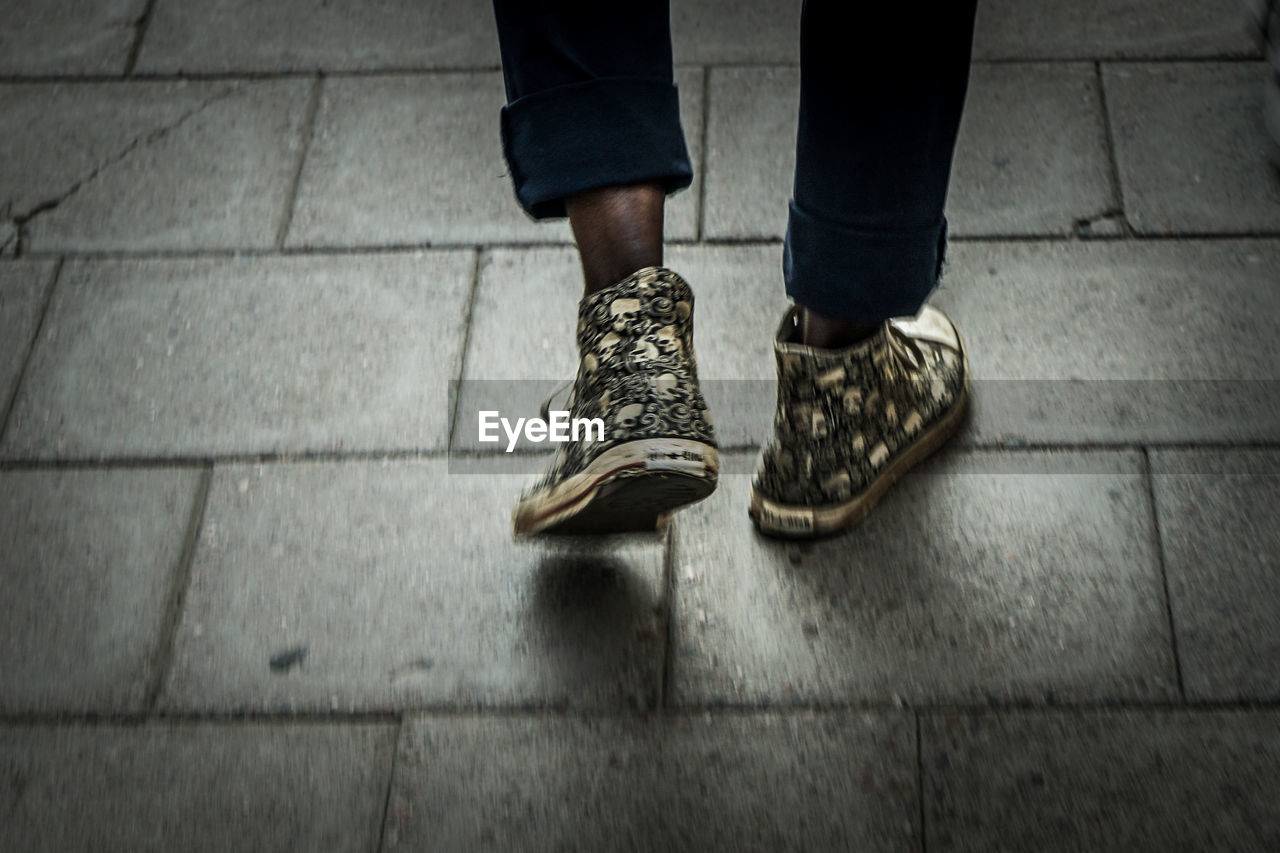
[19, 220]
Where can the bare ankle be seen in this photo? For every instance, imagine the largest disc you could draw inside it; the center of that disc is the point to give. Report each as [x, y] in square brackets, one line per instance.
[618, 230]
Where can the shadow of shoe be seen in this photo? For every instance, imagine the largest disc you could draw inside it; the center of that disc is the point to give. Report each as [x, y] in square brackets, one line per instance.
[595, 622]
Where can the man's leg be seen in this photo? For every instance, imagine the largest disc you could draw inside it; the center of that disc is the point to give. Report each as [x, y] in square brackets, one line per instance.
[861, 399]
[880, 107]
[592, 130]
[592, 124]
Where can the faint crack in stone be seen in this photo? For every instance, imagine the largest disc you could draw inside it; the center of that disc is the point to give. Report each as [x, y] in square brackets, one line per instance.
[18, 781]
[20, 221]
[1108, 223]
[8, 239]
[8, 231]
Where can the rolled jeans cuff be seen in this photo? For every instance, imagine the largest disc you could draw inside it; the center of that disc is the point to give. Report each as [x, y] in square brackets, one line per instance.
[860, 276]
[597, 133]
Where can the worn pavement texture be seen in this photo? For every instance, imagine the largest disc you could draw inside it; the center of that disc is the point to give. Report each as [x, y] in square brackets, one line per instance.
[251, 600]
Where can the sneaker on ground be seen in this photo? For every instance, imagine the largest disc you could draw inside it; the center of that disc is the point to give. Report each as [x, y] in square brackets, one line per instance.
[849, 422]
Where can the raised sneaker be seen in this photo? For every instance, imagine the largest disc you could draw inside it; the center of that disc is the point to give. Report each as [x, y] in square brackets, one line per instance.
[638, 375]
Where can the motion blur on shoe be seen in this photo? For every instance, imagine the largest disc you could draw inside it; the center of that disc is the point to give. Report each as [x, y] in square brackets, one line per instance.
[638, 375]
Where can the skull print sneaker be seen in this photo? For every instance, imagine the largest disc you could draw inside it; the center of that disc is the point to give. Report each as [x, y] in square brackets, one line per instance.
[851, 421]
[638, 375]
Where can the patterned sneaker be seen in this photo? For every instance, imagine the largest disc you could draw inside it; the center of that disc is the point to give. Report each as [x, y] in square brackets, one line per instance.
[638, 375]
[850, 421]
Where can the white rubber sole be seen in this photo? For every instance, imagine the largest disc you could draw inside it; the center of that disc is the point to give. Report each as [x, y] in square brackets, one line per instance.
[790, 521]
[633, 487]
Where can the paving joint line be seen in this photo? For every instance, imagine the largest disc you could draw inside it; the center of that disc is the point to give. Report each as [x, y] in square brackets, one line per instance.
[235, 254]
[131, 73]
[177, 594]
[1198, 59]
[391, 781]
[1136, 238]
[715, 242]
[411, 455]
[669, 580]
[197, 461]
[924, 840]
[1162, 565]
[421, 246]
[1113, 161]
[468, 318]
[1269, 706]
[141, 26]
[181, 718]
[307, 136]
[46, 299]
[703, 155]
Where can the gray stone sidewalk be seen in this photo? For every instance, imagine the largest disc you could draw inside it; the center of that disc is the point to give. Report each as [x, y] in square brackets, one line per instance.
[249, 601]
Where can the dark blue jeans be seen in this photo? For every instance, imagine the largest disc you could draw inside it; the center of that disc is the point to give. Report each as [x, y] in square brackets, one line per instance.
[591, 102]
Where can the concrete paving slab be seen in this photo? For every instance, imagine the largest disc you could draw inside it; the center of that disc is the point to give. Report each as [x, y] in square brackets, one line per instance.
[59, 133]
[525, 316]
[1031, 157]
[711, 32]
[197, 787]
[1120, 781]
[22, 289]
[245, 355]
[761, 782]
[741, 300]
[751, 151]
[67, 36]
[1109, 342]
[408, 160]
[237, 35]
[302, 35]
[521, 345]
[1192, 149]
[1110, 29]
[150, 165]
[1217, 523]
[988, 577]
[397, 584]
[89, 559]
